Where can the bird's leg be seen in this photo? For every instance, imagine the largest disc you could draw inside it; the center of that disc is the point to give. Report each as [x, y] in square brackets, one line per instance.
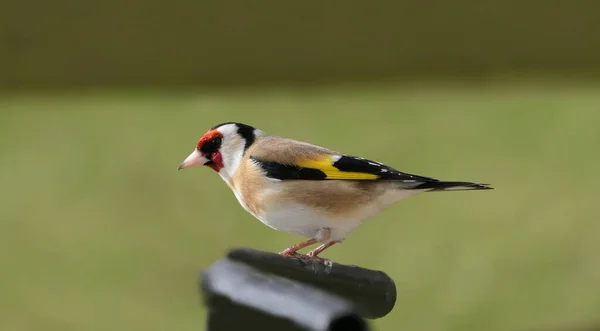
[291, 251]
[318, 250]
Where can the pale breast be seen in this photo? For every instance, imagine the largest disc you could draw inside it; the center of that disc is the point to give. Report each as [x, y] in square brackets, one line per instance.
[248, 185]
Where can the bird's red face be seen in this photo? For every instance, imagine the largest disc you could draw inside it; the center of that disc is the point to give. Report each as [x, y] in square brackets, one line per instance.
[207, 152]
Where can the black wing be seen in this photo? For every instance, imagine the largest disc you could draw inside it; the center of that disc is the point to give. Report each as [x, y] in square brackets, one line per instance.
[337, 167]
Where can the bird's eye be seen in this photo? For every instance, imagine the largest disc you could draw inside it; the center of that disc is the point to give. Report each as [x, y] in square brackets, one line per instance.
[211, 146]
[216, 141]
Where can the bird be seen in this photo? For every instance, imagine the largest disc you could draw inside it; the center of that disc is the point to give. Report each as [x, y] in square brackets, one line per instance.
[305, 189]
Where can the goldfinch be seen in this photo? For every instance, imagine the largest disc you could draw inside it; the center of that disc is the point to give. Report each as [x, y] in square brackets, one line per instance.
[305, 189]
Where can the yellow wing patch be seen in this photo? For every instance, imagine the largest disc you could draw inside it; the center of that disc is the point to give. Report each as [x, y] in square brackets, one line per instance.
[325, 164]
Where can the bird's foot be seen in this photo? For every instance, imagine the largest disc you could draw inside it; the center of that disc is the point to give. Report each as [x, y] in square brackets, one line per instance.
[313, 258]
[292, 250]
[288, 252]
[305, 257]
[320, 259]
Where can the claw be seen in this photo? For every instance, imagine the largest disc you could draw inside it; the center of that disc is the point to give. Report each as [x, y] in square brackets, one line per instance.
[288, 252]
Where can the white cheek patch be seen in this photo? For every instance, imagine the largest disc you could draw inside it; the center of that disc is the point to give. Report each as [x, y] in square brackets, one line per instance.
[232, 151]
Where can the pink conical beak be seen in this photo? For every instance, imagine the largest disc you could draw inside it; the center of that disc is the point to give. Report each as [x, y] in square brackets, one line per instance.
[196, 158]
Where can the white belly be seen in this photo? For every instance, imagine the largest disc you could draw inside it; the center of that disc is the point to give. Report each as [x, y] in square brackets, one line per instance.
[305, 221]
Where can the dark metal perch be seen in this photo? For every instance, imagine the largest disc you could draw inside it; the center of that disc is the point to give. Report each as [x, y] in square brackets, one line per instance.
[267, 291]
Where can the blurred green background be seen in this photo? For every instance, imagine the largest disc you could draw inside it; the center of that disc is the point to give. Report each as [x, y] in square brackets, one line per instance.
[100, 102]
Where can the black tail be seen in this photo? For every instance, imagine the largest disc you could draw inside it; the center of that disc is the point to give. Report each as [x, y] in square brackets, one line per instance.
[451, 186]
